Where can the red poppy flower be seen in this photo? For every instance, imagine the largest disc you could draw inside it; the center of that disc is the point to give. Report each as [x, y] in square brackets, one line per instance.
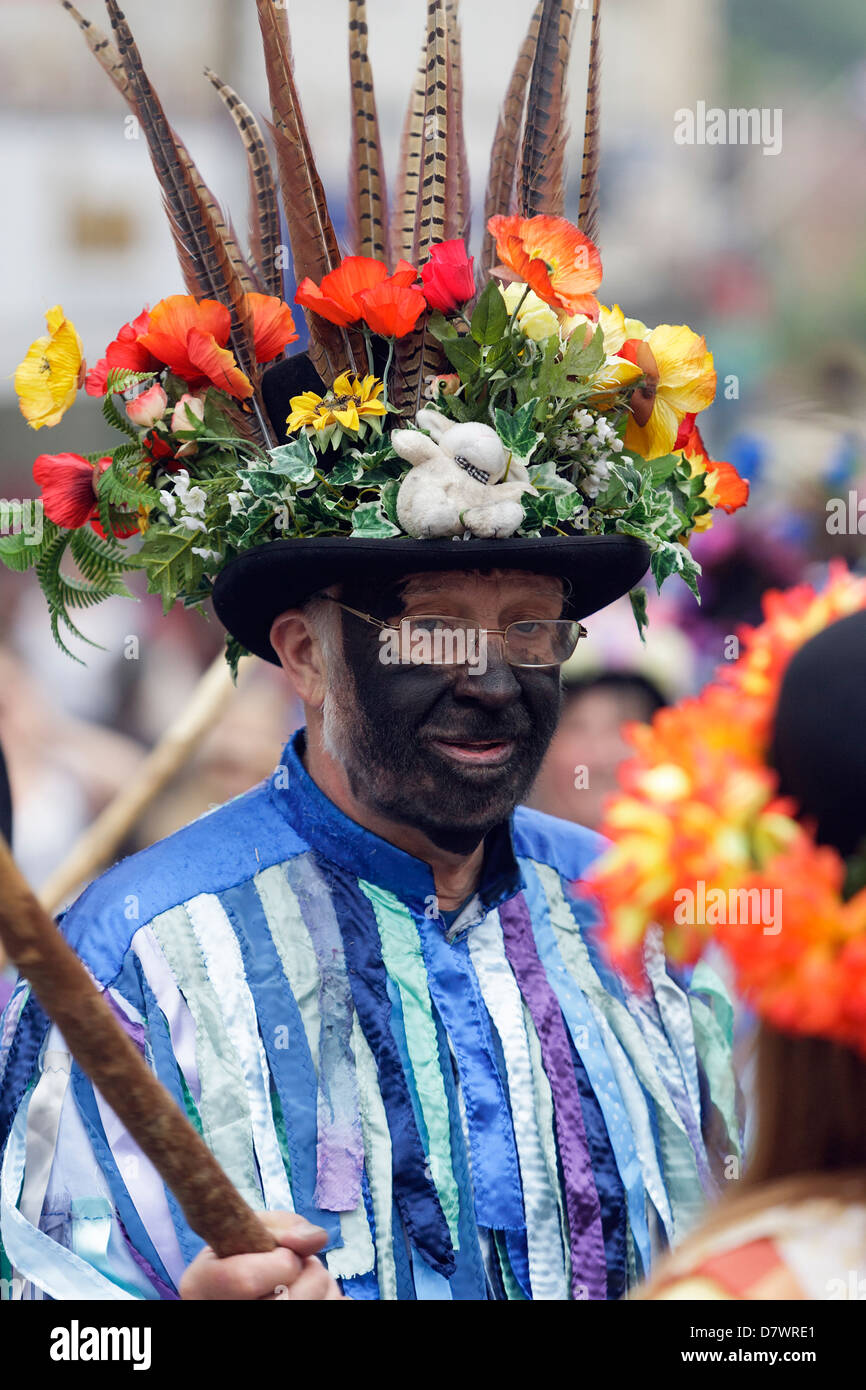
[189, 336]
[338, 298]
[448, 276]
[68, 492]
[273, 325]
[555, 259]
[126, 351]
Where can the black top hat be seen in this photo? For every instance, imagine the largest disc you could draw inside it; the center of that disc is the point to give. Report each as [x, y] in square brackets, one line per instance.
[819, 740]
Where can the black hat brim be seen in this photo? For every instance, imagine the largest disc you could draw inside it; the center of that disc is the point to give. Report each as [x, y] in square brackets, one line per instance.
[260, 584]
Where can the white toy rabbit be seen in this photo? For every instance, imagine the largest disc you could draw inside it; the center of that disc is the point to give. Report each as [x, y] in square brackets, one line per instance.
[462, 481]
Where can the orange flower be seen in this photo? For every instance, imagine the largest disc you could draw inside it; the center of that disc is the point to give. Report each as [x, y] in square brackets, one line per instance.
[392, 310]
[189, 336]
[725, 488]
[561, 264]
[273, 325]
[337, 299]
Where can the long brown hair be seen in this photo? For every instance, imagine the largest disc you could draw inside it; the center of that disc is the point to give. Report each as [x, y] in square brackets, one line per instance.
[810, 1136]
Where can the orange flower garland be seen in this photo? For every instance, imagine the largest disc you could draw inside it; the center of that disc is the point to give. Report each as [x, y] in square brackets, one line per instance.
[699, 820]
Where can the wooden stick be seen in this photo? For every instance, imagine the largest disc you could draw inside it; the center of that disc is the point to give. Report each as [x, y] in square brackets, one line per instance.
[211, 1204]
[98, 843]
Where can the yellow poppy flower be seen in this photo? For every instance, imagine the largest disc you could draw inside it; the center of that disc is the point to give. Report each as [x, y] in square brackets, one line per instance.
[51, 373]
[615, 373]
[686, 385]
[350, 404]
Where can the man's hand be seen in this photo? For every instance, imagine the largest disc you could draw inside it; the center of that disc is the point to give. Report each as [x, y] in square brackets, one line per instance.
[290, 1271]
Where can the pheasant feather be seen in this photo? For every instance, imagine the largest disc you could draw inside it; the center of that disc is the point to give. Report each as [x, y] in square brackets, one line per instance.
[500, 195]
[542, 171]
[588, 211]
[407, 191]
[207, 265]
[458, 202]
[368, 213]
[264, 210]
[418, 353]
[313, 240]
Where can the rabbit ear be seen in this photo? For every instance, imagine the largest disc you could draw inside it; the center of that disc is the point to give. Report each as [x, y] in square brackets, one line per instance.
[414, 446]
[433, 421]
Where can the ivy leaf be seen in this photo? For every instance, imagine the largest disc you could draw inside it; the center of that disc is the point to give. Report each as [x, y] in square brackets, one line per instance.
[389, 500]
[545, 478]
[490, 316]
[369, 519]
[639, 609]
[517, 431]
[295, 461]
[348, 470]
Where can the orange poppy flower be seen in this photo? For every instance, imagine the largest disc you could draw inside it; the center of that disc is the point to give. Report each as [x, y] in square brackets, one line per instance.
[189, 336]
[392, 310]
[273, 325]
[561, 264]
[337, 298]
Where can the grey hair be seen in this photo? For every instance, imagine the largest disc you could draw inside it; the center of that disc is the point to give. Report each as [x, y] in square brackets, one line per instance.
[324, 622]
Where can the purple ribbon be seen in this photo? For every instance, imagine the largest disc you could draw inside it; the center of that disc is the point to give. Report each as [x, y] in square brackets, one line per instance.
[586, 1237]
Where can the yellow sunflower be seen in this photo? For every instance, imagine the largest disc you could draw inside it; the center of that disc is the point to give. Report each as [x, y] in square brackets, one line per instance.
[51, 373]
[350, 404]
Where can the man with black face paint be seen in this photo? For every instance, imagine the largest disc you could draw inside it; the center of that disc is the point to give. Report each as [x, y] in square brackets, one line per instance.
[373, 984]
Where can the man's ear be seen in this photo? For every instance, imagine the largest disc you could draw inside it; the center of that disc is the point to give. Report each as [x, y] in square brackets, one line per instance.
[301, 657]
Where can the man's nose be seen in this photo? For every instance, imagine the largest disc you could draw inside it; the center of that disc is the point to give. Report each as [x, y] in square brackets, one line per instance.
[493, 682]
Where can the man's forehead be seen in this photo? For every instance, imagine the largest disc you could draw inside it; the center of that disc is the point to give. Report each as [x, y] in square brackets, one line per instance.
[490, 581]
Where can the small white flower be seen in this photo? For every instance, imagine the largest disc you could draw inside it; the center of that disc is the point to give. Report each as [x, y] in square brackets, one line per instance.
[583, 419]
[195, 501]
[169, 502]
[236, 503]
[205, 553]
[193, 524]
[617, 446]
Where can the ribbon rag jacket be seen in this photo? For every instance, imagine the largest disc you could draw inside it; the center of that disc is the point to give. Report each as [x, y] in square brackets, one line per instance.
[472, 1107]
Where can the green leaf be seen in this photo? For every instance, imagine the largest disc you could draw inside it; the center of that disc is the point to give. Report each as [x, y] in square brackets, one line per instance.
[295, 461]
[464, 356]
[440, 327]
[545, 478]
[20, 551]
[171, 567]
[369, 519]
[118, 419]
[490, 317]
[638, 608]
[660, 469]
[497, 356]
[348, 470]
[121, 378]
[389, 500]
[123, 488]
[517, 431]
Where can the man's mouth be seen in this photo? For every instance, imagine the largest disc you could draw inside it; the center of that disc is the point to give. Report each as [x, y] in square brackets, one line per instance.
[475, 752]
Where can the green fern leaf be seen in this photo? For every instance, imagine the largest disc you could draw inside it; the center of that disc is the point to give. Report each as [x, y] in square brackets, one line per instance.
[117, 419]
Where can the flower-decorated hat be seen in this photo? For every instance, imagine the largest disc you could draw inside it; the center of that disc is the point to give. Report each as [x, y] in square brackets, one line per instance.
[447, 414]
